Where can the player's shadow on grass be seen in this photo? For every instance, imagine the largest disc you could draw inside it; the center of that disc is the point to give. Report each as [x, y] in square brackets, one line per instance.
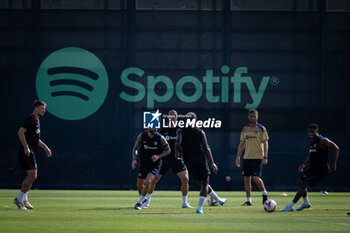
[129, 208]
[110, 208]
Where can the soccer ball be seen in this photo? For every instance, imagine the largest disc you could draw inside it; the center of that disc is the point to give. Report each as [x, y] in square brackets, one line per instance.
[212, 201]
[270, 206]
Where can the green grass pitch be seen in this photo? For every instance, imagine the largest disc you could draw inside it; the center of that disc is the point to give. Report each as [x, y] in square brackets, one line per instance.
[112, 211]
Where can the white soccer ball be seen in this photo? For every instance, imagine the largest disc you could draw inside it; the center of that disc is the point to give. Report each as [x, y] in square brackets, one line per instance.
[270, 206]
[212, 201]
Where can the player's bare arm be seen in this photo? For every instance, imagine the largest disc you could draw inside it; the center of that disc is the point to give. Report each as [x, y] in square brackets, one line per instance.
[165, 152]
[178, 143]
[135, 152]
[23, 140]
[325, 142]
[239, 153]
[266, 149]
[208, 152]
[46, 148]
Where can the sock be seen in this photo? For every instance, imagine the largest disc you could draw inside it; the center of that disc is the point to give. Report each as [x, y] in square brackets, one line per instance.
[213, 195]
[184, 199]
[291, 204]
[148, 196]
[25, 196]
[20, 196]
[306, 200]
[264, 192]
[249, 199]
[141, 199]
[201, 202]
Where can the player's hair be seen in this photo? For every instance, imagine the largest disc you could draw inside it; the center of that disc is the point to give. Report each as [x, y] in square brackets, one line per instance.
[253, 110]
[191, 115]
[313, 126]
[174, 111]
[38, 103]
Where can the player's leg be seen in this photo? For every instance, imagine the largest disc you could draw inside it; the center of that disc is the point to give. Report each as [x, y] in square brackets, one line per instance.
[141, 179]
[28, 164]
[22, 198]
[201, 173]
[140, 184]
[32, 176]
[248, 190]
[256, 165]
[302, 191]
[247, 177]
[150, 191]
[180, 169]
[183, 175]
[260, 183]
[148, 182]
[202, 194]
[211, 193]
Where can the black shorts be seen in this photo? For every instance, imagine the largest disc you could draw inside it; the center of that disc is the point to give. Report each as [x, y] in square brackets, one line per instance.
[27, 162]
[313, 176]
[149, 168]
[251, 167]
[176, 165]
[199, 171]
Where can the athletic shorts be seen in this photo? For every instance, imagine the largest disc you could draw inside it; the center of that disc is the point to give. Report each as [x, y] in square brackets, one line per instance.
[251, 167]
[147, 168]
[176, 165]
[27, 162]
[199, 171]
[313, 176]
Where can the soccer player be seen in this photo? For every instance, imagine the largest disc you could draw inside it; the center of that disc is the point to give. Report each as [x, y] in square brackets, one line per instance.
[319, 167]
[29, 136]
[194, 146]
[170, 161]
[254, 140]
[153, 147]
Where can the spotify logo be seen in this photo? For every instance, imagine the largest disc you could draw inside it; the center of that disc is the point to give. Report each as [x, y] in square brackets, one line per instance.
[73, 82]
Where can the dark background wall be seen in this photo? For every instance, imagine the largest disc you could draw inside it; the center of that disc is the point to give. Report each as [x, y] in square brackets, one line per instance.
[305, 44]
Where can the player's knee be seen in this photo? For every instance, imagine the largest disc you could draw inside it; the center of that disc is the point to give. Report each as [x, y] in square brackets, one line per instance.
[256, 179]
[33, 176]
[185, 179]
[149, 180]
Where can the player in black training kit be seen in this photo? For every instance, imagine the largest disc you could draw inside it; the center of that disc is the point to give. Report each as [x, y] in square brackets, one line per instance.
[153, 147]
[170, 161]
[194, 146]
[29, 136]
[319, 167]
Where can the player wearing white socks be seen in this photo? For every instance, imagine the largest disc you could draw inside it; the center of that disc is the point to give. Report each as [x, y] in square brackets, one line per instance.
[254, 143]
[29, 136]
[177, 165]
[195, 150]
[319, 167]
[153, 147]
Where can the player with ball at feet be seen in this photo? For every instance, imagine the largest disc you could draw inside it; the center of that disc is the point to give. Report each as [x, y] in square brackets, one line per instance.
[195, 150]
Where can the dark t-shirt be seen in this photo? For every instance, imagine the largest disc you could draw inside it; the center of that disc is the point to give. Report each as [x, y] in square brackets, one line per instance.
[150, 147]
[318, 155]
[32, 135]
[192, 146]
[170, 135]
